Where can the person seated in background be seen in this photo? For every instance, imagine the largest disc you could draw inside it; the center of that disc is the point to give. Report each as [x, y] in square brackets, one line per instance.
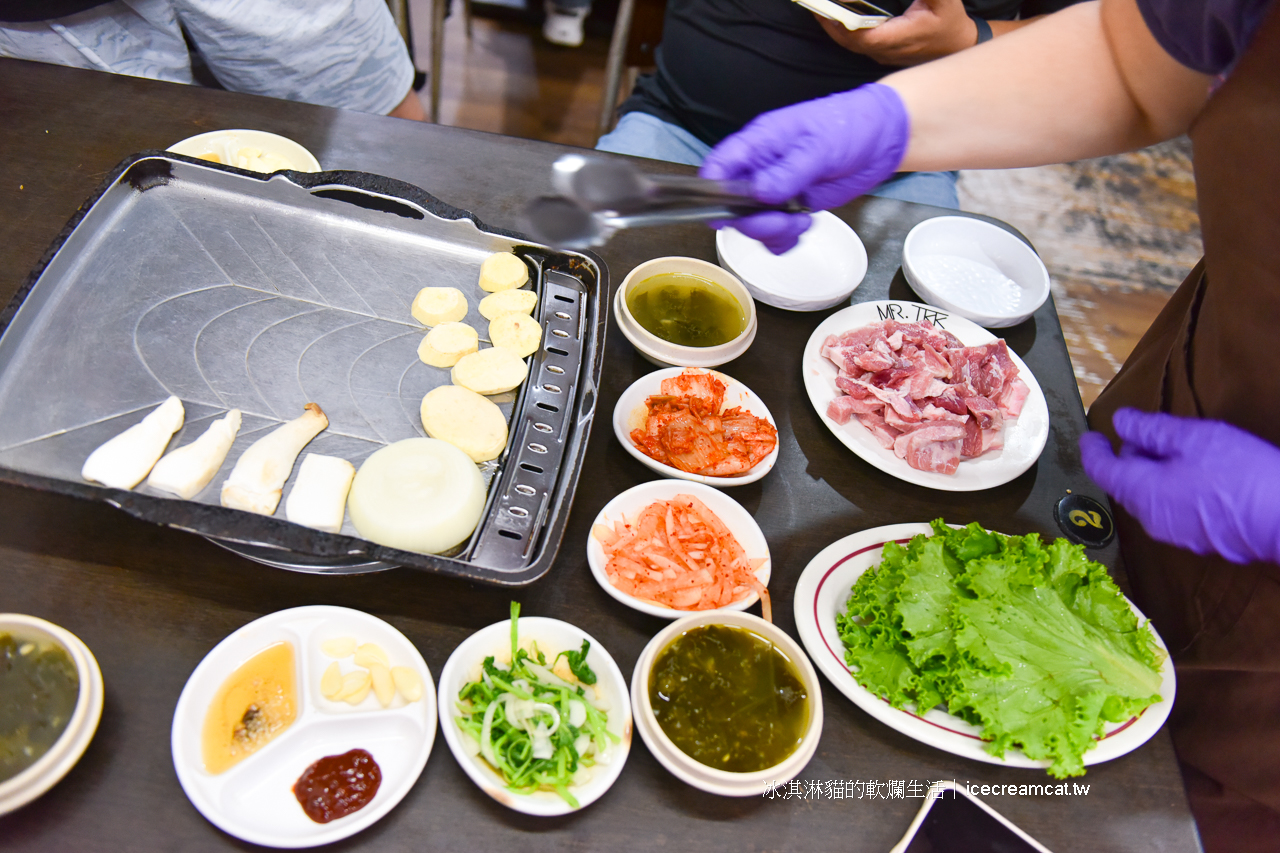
[336, 53]
[723, 62]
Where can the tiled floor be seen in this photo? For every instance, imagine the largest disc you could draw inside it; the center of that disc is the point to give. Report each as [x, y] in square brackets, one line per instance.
[1117, 233]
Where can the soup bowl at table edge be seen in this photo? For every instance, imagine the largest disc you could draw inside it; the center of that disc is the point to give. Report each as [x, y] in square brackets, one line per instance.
[711, 779]
[63, 754]
[665, 353]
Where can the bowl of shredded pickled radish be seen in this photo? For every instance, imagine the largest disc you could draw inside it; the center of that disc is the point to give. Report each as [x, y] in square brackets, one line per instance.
[672, 547]
[537, 713]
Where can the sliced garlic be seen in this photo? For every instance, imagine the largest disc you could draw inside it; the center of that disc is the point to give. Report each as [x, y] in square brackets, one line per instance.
[319, 495]
[187, 470]
[256, 481]
[383, 685]
[355, 683]
[408, 682]
[123, 461]
[371, 653]
[339, 647]
[331, 681]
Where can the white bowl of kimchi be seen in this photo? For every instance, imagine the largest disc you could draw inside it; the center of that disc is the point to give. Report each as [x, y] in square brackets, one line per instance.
[709, 555]
[975, 269]
[744, 449]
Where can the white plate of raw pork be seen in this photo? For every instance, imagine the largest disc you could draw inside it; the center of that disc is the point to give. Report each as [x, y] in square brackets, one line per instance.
[918, 407]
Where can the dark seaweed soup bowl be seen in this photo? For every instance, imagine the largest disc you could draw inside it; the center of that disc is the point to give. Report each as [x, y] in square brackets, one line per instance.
[50, 703]
[728, 703]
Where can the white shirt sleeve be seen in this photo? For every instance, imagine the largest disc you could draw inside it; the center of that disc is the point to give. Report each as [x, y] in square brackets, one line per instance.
[339, 53]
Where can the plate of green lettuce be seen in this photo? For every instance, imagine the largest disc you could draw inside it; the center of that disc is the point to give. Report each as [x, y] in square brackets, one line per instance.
[1004, 649]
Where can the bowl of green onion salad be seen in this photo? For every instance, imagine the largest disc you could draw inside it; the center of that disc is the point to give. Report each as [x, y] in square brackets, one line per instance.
[537, 713]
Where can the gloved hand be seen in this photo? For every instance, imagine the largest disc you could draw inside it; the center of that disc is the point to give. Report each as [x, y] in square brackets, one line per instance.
[1202, 485]
[826, 152]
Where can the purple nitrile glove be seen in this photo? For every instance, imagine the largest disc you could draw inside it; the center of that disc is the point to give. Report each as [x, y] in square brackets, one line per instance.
[824, 152]
[1206, 486]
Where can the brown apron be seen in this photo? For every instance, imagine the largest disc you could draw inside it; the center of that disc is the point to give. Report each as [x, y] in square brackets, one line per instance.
[1214, 352]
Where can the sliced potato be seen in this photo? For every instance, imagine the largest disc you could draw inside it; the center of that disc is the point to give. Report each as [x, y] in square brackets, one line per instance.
[435, 305]
[408, 682]
[502, 271]
[495, 305]
[446, 343]
[494, 370]
[468, 421]
[519, 333]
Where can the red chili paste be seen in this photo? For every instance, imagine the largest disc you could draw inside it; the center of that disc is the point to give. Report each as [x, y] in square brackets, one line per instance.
[337, 785]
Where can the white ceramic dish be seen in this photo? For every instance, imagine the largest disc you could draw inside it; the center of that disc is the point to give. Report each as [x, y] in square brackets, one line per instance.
[1023, 441]
[630, 413]
[630, 503]
[975, 269]
[226, 145]
[254, 800]
[823, 591]
[695, 773]
[552, 636]
[665, 354]
[74, 740]
[822, 270]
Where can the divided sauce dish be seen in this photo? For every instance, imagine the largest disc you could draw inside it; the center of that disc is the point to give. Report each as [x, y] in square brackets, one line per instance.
[254, 799]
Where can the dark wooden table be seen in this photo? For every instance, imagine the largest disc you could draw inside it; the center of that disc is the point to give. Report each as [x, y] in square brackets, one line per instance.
[151, 602]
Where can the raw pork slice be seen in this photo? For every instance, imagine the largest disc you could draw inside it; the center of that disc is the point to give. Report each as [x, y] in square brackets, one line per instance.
[923, 394]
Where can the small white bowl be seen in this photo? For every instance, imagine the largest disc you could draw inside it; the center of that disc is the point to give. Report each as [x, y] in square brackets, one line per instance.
[664, 353]
[74, 740]
[695, 773]
[630, 413]
[630, 503]
[553, 637]
[823, 270]
[225, 144]
[975, 269]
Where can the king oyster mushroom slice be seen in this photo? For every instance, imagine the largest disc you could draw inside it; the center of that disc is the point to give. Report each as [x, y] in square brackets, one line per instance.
[187, 470]
[260, 473]
[123, 461]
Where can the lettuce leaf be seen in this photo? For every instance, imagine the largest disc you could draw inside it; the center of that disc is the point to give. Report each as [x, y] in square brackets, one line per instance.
[1033, 642]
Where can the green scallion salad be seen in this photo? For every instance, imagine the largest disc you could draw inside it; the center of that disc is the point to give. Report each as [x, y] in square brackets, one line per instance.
[537, 730]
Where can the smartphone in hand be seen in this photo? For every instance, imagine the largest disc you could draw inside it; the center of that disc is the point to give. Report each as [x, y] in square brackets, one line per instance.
[954, 821]
[853, 14]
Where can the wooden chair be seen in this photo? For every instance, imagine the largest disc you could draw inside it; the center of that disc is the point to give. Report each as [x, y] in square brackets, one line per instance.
[636, 33]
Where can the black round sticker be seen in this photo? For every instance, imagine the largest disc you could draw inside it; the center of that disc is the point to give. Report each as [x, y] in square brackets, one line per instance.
[1085, 521]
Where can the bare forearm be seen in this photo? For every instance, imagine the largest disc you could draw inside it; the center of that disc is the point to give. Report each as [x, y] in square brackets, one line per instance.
[1087, 81]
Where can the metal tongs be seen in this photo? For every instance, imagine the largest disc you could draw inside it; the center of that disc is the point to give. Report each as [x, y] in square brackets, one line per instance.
[600, 195]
